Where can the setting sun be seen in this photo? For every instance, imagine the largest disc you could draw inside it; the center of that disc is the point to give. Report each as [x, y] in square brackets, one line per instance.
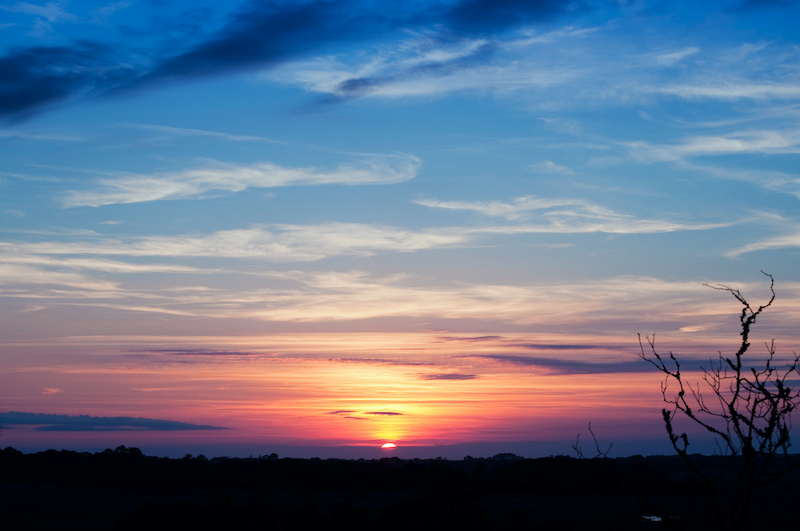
[411, 224]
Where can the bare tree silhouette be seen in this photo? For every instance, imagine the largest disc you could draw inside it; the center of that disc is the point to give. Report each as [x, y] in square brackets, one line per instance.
[579, 449]
[748, 413]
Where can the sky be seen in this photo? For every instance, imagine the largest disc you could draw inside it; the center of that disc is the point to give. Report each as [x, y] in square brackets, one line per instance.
[319, 226]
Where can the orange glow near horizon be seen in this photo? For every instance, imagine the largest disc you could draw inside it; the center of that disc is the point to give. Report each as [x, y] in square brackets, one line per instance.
[388, 445]
[337, 389]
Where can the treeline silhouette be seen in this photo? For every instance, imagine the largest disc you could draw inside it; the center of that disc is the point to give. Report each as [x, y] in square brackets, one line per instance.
[123, 489]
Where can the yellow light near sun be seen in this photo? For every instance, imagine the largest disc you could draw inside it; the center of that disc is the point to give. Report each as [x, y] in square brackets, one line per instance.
[360, 389]
[390, 431]
[389, 445]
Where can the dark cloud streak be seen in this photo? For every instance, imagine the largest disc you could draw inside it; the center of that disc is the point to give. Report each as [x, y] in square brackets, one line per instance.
[258, 34]
[757, 5]
[33, 78]
[568, 346]
[448, 376]
[265, 33]
[528, 344]
[45, 422]
[557, 366]
[482, 16]
[470, 339]
[381, 361]
[199, 352]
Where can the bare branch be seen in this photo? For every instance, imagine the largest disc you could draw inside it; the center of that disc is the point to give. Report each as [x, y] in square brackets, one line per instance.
[579, 450]
[749, 416]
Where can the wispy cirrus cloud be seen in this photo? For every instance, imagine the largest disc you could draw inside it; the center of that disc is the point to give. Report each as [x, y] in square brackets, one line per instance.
[182, 131]
[564, 216]
[671, 58]
[760, 72]
[755, 141]
[279, 243]
[51, 11]
[351, 296]
[521, 207]
[217, 176]
[785, 241]
[22, 274]
[92, 264]
[429, 65]
[343, 296]
[735, 91]
[549, 166]
[304, 243]
[109, 9]
[770, 179]
[324, 297]
[552, 67]
[10, 133]
[570, 222]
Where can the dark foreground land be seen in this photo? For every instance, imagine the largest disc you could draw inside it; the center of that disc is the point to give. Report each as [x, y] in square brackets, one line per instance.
[123, 489]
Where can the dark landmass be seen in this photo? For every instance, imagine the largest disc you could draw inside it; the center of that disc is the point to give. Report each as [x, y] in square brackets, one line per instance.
[123, 489]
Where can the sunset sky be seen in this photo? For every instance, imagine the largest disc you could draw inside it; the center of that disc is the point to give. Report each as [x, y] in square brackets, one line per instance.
[230, 228]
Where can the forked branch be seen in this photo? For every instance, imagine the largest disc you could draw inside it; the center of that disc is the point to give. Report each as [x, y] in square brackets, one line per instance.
[749, 416]
[579, 450]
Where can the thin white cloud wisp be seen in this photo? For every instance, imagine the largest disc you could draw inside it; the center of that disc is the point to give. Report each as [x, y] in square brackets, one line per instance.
[217, 176]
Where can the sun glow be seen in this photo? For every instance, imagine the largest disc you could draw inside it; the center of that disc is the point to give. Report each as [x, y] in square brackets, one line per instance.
[335, 390]
[388, 445]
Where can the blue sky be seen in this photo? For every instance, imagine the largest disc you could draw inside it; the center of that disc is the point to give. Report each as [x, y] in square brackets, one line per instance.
[550, 169]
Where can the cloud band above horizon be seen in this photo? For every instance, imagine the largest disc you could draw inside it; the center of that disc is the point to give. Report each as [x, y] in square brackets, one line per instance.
[47, 422]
